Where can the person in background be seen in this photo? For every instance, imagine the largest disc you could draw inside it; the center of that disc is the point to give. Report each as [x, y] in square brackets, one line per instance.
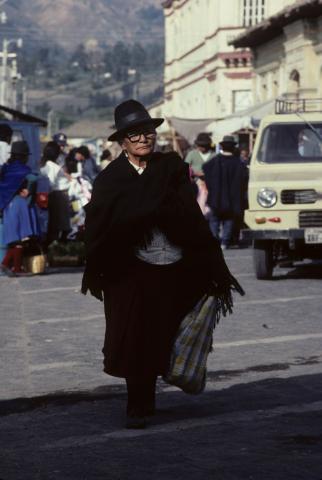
[58, 201]
[89, 167]
[238, 224]
[202, 152]
[41, 204]
[79, 193]
[244, 156]
[225, 180]
[71, 164]
[5, 141]
[61, 139]
[17, 184]
[105, 159]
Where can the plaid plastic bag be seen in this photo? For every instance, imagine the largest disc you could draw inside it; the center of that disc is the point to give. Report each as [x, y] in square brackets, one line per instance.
[188, 365]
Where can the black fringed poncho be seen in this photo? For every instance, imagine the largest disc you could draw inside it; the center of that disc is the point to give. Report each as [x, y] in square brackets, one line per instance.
[124, 209]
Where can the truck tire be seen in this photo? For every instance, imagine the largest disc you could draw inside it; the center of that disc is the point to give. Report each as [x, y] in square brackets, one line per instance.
[263, 259]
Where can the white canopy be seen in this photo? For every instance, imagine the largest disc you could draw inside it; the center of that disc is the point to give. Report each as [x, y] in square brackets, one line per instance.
[246, 119]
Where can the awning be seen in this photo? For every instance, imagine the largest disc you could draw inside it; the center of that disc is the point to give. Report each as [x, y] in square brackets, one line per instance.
[189, 128]
[24, 117]
[245, 120]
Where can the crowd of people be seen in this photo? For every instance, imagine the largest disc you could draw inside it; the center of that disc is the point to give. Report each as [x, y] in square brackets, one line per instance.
[144, 234]
[38, 208]
[48, 206]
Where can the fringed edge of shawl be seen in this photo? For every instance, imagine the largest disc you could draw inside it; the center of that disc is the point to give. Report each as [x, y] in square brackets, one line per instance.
[224, 299]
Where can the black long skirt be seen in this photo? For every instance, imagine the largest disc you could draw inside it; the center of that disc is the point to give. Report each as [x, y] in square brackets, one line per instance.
[58, 209]
[143, 311]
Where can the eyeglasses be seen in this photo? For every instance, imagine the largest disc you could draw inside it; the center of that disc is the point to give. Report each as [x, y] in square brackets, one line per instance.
[135, 137]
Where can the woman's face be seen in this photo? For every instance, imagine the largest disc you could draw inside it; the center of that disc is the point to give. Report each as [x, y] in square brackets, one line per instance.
[140, 141]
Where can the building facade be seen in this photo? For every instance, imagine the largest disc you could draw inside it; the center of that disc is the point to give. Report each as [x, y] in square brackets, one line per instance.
[287, 53]
[205, 76]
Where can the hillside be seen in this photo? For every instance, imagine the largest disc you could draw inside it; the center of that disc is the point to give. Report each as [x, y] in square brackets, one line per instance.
[68, 23]
[79, 56]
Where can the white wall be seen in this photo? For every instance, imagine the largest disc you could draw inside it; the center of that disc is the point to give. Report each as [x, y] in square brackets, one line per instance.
[298, 49]
[197, 36]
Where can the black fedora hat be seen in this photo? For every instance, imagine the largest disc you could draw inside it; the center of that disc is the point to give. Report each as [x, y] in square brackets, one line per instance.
[229, 139]
[203, 139]
[131, 114]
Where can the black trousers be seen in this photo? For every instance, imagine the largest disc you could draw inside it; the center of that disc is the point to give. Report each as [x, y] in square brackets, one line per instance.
[140, 396]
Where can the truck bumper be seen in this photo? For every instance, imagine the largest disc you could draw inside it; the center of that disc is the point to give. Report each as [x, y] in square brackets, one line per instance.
[291, 234]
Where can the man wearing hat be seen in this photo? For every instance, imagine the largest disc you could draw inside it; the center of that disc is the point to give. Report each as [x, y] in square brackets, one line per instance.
[201, 154]
[146, 243]
[225, 180]
[61, 139]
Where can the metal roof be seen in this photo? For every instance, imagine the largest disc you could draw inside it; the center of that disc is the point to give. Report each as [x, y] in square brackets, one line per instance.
[87, 128]
[24, 117]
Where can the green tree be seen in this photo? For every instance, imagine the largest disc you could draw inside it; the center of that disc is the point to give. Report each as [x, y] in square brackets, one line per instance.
[121, 61]
[138, 57]
[81, 57]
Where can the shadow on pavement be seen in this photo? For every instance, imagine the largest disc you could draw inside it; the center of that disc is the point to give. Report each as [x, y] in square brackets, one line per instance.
[60, 270]
[229, 434]
[268, 393]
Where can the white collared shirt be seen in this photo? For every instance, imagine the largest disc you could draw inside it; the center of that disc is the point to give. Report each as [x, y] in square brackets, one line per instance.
[139, 169]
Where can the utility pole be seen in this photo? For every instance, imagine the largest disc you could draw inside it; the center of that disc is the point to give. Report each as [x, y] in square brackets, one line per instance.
[5, 54]
[4, 71]
[24, 96]
[52, 123]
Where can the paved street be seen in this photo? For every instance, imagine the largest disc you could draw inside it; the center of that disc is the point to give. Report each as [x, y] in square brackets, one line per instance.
[260, 418]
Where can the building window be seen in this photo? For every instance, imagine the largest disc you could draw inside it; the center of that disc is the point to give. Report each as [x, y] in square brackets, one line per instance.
[253, 12]
[242, 99]
[294, 83]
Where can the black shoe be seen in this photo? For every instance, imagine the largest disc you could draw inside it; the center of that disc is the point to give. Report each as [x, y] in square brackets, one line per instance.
[134, 422]
[149, 410]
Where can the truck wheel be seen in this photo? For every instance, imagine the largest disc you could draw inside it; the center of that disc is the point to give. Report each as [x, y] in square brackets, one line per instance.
[263, 260]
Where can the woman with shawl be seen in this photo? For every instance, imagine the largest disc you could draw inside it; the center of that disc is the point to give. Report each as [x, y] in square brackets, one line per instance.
[150, 255]
[17, 185]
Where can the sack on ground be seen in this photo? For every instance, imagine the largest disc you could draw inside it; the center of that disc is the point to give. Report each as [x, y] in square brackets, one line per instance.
[34, 259]
[188, 365]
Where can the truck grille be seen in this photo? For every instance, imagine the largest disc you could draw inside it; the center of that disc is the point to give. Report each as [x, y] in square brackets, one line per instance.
[289, 197]
[310, 218]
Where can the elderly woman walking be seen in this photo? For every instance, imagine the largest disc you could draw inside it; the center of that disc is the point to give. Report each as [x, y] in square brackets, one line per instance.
[150, 256]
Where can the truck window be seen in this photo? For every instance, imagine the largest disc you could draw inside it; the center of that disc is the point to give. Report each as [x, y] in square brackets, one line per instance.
[288, 143]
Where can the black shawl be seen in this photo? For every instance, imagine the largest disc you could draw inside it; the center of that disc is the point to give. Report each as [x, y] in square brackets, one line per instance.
[126, 206]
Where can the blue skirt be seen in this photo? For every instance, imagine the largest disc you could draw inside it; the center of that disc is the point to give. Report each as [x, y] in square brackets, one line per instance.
[19, 221]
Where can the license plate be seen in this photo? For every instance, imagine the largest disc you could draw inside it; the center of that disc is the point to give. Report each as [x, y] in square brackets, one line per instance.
[313, 235]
